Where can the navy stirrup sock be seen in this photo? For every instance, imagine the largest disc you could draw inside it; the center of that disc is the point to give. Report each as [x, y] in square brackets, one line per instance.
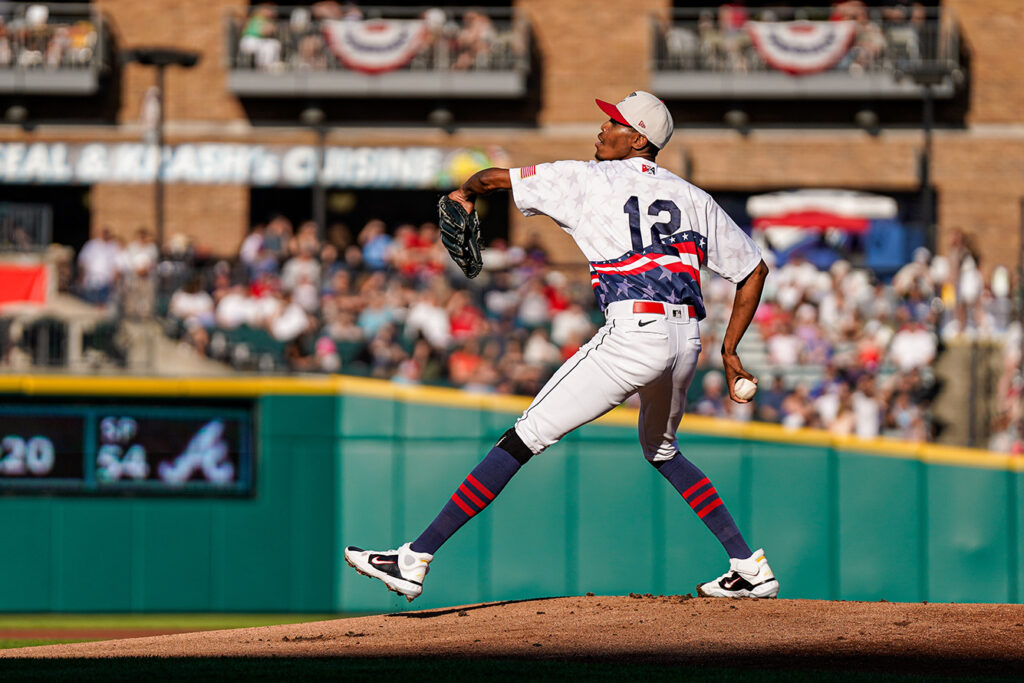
[481, 486]
[697, 491]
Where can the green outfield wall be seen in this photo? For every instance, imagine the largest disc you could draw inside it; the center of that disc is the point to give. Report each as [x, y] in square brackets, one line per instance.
[342, 461]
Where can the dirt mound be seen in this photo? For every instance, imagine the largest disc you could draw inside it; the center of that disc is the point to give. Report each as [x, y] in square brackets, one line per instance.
[776, 633]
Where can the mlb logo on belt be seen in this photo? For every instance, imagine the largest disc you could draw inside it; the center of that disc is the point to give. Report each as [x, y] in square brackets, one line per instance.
[676, 313]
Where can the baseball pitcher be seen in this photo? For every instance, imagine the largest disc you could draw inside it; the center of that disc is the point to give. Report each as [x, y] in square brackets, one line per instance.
[646, 233]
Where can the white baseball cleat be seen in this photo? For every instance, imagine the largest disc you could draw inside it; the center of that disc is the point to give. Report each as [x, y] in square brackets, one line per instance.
[749, 578]
[402, 570]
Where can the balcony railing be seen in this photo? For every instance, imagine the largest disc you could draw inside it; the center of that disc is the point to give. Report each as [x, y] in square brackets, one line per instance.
[56, 49]
[712, 53]
[453, 52]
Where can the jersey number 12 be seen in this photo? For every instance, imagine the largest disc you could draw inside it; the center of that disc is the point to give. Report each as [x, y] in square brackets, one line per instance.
[657, 207]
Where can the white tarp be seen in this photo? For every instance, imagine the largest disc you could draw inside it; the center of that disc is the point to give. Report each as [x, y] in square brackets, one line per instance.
[840, 202]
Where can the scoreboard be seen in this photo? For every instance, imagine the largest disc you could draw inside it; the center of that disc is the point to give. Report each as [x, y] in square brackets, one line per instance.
[125, 449]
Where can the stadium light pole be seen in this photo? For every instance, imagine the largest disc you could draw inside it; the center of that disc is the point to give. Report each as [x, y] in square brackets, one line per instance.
[314, 118]
[927, 76]
[161, 58]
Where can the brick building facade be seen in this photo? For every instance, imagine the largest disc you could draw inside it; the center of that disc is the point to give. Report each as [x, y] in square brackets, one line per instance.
[588, 49]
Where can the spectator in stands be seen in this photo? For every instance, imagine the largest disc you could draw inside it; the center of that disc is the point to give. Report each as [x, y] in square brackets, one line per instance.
[466, 320]
[234, 308]
[464, 362]
[277, 236]
[289, 321]
[301, 266]
[375, 314]
[798, 409]
[533, 305]
[376, 245]
[81, 42]
[306, 294]
[427, 318]
[868, 44]
[192, 305]
[540, 351]
[259, 37]
[784, 347]
[6, 55]
[98, 270]
[913, 346]
[139, 260]
[386, 353]
[474, 41]
[570, 323]
[306, 238]
[769, 399]
[252, 245]
[867, 408]
[732, 17]
[711, 402]
[901, 35]
[310, 52]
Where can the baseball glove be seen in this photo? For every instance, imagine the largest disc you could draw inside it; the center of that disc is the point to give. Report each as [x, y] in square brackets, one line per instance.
[460, 234]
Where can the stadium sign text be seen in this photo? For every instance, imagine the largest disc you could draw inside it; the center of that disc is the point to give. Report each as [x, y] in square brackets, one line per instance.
[238, 164]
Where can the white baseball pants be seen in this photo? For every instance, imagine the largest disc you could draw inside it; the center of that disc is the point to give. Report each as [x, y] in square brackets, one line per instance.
[654, 354]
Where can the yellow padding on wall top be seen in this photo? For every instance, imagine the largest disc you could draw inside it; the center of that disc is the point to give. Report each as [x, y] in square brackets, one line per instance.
[254, 387]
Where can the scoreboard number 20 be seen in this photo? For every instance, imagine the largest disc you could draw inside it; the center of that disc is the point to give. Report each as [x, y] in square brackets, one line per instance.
[32, 457]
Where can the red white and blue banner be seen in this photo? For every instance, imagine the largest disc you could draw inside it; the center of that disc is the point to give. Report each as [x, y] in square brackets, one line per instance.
[375, 46]
[801, 47]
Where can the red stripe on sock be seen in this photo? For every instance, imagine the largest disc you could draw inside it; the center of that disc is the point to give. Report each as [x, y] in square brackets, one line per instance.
[702, 497]
[708, 508]
[465, 508]
[689, 491]
[480, 487]
[469, 494]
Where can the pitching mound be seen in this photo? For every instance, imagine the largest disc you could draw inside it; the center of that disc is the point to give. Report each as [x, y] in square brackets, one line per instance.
[776, 634]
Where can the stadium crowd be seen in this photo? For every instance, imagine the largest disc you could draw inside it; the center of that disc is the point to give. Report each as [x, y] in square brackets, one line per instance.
[837, 349]
[272, 39]
[718, 39]
[31, 38]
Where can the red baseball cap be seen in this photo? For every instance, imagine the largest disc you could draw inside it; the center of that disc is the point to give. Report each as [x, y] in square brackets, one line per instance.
[644, 112]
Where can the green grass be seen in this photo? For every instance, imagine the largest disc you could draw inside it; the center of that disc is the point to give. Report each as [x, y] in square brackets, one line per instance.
[182, 622]
[191, 622]
[7, 643]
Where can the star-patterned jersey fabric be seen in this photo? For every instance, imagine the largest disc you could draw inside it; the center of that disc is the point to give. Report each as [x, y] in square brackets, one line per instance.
[646, 231]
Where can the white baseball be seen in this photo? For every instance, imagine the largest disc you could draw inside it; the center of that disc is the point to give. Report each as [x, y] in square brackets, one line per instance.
[744, 388]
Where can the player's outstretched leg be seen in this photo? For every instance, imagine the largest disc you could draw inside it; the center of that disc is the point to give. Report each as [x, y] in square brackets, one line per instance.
[403, 570]
[750, 577]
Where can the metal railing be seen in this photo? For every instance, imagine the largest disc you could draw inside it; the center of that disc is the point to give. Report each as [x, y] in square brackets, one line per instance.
[47, 341]
[52, 37]
[299, 42]
[25, 227]
[887, 42]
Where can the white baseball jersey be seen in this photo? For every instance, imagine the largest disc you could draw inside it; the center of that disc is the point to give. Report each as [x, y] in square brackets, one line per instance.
[645, 231]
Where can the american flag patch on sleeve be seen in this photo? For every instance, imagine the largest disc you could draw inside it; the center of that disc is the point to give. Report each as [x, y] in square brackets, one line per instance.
[527, 171]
